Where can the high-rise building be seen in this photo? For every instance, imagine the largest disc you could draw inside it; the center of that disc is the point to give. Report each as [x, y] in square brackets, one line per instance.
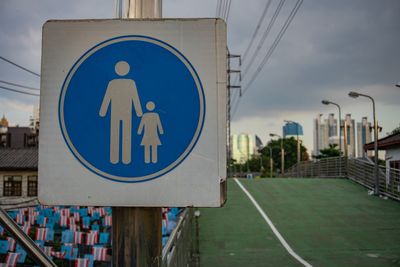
[244, 147]
[363, 137]
[292, 129]
[34, 120]
[351, 136]
[325, 133]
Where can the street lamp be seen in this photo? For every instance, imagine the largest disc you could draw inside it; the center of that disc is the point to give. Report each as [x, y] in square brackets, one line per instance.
[327, 102]
[270, 162]
[282, 152]
[261, 163]
[376, 170]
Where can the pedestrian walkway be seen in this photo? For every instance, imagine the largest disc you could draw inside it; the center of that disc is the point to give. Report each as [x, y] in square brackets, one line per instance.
[327, 222]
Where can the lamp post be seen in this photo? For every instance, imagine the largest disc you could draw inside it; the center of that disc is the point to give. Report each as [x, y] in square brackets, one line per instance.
[270, 162]
[327, 102]
[376, 169]
[282, 152]
[261, 163]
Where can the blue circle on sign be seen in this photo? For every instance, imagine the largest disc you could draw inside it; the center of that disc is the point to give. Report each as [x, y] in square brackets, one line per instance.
[131, 108]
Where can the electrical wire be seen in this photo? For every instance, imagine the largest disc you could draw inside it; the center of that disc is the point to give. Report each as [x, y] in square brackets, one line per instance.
[19, 66]
[264, 37]
[17, 91]
[253, 37]
[227, 12]
[274, 45]
[20, 85]
[269, 53]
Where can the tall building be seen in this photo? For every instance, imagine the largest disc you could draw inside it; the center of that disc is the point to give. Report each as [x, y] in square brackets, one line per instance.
[34, 120]
[351, 136]
[364, 136]
[325, 133]
[292, 129]
[244, 147]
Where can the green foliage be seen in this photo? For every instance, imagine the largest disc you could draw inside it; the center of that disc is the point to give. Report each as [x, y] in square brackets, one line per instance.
[329, 152]
[261, 163]
[290, 147]
[396, 130]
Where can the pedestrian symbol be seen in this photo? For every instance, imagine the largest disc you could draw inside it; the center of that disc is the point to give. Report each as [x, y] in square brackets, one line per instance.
[131, 108]
[152, 125]
[122, 93]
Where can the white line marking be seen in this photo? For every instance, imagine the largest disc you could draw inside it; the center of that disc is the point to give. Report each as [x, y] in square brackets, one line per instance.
[269, 222]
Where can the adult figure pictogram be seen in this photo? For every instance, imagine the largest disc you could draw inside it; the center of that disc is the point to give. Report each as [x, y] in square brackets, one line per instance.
[121, 94]
[151, 126]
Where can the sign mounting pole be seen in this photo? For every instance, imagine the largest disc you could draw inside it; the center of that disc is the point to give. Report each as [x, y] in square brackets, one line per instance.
[137, 230]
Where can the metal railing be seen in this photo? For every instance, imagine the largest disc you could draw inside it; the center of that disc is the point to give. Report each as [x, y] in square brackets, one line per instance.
[26, 242]
[178, 250]
[324, 168]
[362, 172]
[358, 170]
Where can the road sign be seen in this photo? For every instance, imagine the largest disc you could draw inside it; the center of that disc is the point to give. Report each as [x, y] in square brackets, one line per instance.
[133, 113]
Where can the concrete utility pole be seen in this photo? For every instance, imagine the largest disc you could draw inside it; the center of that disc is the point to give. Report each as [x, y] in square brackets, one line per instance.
[139, 9]
[137, 230]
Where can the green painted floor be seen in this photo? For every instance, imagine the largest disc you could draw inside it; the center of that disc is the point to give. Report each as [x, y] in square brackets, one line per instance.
[328, 222]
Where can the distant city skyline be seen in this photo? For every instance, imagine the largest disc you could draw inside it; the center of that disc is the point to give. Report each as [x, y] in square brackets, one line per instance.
[326, 132]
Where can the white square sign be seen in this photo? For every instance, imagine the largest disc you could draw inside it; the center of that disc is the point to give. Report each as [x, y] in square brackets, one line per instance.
[133, 112]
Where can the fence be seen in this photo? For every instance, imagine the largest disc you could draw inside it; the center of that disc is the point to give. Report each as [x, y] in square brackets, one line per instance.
[358, 170]
[179, 248]
[325, 168]
[363, 173]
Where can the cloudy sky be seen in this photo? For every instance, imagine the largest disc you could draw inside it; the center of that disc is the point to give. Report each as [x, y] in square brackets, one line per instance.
[330, 48]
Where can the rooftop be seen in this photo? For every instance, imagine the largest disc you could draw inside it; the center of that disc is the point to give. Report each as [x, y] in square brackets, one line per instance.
[18, 159]
[389, 141]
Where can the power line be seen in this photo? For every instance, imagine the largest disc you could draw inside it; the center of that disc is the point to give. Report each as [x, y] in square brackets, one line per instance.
[18, 91]
[264, 37]
[227, 12]
[217, 8]
[224, 9]
[235, 107]
[19, 66]
[20, 85]
[270, 51]
[253, 37]
[274, 45]
[264, 13]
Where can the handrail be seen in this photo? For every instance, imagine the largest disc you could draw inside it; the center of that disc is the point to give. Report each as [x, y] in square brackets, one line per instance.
[358, 170]
[175, 251]
[26, 242]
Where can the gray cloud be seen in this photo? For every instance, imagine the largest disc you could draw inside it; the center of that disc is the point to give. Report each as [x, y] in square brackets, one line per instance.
[330, 48]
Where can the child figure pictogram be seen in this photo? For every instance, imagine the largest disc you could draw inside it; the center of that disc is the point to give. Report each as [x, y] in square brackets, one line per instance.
[151, 127]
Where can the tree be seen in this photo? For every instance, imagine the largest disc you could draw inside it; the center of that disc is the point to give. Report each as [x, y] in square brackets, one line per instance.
[396, 130]
[290, 147]
[329, 152]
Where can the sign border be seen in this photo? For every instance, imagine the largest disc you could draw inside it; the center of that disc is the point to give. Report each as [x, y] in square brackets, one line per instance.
[188, 149]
